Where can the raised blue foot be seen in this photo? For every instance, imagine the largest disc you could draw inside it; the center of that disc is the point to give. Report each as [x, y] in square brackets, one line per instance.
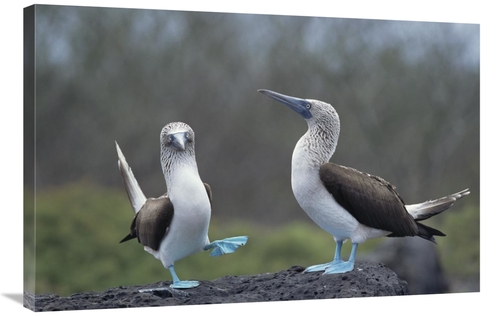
[225, 246]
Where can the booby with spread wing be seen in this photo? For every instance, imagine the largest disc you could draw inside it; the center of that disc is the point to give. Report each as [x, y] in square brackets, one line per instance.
[174, 225]
[343, 201]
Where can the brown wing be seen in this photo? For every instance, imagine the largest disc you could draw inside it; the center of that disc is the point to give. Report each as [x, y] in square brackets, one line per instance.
[373, 201]
[152, 222]
[209, 192]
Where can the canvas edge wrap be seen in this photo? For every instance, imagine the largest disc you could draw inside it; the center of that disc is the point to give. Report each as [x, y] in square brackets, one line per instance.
[29, 236]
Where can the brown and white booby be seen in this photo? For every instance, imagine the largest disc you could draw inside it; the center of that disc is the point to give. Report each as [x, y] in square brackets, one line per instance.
[343, 201]
[174, 225]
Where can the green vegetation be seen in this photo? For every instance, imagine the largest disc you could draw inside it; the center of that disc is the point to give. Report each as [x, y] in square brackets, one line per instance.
[79, 226]
[460, 255]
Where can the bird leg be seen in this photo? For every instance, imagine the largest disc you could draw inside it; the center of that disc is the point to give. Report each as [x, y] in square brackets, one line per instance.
[324, 266]
[225, 246]
[344, 266]
[178, 284]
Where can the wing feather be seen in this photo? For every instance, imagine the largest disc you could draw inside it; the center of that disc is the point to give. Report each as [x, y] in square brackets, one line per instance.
[209, 192]
[152, 222]
[373, 201]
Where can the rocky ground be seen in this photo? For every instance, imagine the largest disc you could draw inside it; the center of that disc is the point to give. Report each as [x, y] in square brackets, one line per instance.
[367, 279]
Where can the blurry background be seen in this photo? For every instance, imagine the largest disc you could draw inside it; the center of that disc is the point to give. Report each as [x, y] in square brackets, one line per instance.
[408, 98]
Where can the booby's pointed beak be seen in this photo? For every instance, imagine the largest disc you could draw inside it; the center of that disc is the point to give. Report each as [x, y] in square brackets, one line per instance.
[300, 106]
[178, 140]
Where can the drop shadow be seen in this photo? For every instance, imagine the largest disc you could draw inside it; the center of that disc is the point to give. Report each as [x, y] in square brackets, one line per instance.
[16, 297]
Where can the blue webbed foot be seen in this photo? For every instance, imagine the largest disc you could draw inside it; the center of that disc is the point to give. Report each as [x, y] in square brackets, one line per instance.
[178, 284]
[184, 284]
[225, 246]
[337, 265]
[340, 267]
[324, 266]
[343, 266]
[318, 267]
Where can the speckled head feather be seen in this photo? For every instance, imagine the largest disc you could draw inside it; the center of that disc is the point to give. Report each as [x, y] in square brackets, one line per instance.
[324, 129]
[176, 145]
[318, 144]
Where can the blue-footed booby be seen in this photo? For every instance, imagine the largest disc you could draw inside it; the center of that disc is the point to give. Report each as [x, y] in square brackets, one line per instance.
[174, 225]
[343, 201]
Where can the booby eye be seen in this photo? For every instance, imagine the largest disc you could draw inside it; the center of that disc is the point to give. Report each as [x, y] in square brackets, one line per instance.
[188, 137]
[308, 106]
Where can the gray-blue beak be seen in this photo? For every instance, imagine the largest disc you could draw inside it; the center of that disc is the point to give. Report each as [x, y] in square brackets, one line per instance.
[300, 106]
[178, 140]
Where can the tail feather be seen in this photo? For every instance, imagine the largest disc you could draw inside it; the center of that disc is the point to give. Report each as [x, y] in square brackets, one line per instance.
[127, 238]
[430, 208]
[134, 192]
[428, 232]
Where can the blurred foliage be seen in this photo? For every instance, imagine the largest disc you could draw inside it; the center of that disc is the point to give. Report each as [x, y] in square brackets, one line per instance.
[460, 254]
[79, 227]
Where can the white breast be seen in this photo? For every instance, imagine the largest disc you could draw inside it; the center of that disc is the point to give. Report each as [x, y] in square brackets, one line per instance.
[313, 197]
[188, 232]
[319, 204]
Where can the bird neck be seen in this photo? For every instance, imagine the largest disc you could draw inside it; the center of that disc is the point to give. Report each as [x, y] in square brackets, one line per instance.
[316, 146]
[174, 163]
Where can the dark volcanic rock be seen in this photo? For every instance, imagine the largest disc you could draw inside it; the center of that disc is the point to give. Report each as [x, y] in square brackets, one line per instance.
[367, 279]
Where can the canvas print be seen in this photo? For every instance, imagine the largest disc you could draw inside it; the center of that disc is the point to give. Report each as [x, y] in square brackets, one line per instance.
[186, 158]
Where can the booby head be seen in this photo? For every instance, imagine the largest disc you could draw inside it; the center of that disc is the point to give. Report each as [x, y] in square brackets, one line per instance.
[177, 136]
[313, 111]
[322, 120]
[177, 146]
